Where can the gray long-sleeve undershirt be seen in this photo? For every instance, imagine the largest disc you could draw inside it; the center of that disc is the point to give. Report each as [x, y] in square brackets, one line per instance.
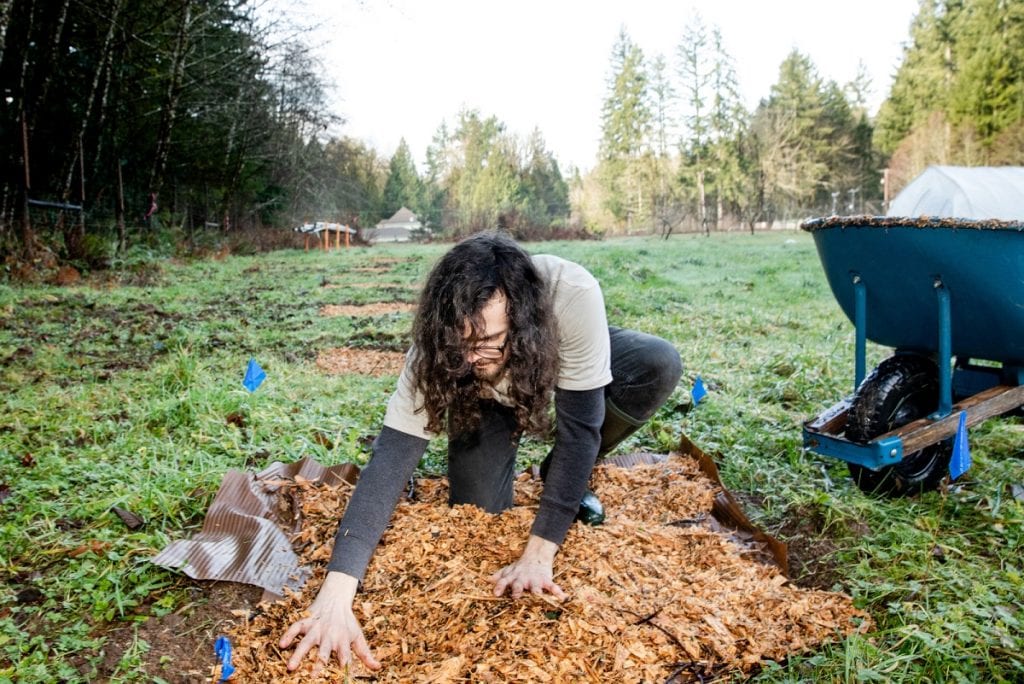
[578, 418]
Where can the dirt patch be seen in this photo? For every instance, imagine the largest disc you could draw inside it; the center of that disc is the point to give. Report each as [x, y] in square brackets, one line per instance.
[812, 547]
[367, 286]
[372, 309]
[371, 269]
[180, 644]
[344, 360]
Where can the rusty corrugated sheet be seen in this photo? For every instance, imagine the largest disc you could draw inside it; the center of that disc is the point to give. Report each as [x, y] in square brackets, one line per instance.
[245, 537]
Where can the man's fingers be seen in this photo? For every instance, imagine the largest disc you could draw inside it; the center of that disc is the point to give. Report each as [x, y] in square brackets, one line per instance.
[555, 590]
[499, 586]
[293, 631]
[344, 652]
[300, 651]
[362, 650]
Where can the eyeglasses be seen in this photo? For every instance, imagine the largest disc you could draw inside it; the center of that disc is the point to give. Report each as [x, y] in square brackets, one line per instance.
[489, 352]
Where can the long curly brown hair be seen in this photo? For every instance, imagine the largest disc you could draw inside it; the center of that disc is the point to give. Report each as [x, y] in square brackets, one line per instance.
[457, 289]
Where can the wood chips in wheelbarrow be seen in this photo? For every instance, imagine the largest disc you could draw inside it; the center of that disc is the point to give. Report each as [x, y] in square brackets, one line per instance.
[658, 593]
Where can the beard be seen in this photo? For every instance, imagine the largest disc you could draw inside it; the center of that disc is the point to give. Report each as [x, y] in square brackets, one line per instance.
[490, 371]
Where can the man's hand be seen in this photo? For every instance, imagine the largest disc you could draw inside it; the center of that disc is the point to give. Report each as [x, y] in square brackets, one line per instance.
[532, 572]
[331, 626]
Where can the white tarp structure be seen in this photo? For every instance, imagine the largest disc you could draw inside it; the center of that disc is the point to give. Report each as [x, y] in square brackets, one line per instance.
[977, 193]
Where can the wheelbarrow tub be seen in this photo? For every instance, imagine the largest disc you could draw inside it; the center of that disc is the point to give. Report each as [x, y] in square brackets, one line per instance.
[901, 261]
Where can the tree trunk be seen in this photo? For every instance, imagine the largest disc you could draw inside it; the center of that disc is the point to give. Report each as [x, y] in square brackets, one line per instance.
[21, 208]
[702, 206]
[28, 238]
[122, 240]
[5, 20]
[74, 231]
[55, 57]
[169, 110]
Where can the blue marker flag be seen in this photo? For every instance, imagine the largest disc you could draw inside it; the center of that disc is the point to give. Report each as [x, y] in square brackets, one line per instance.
[698, 392]
[222, 648]
[960, 462]
[254, 376]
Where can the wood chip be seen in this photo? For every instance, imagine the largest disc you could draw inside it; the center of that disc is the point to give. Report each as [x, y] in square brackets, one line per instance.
[649, 600]
[372, 309]
[375, 362]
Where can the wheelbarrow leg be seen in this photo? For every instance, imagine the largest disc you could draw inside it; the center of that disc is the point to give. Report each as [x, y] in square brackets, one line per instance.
[861, 324]
[945, 352]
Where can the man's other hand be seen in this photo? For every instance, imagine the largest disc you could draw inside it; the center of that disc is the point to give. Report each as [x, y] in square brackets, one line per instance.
[531, 573]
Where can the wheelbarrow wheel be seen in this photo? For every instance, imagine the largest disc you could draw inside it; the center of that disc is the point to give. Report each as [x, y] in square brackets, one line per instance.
[900, 390]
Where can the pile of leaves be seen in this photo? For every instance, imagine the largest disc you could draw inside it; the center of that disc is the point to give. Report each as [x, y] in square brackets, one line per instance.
[657, 593]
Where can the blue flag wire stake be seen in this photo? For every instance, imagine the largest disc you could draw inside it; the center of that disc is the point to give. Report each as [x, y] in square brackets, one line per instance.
[698, 392]
[254, 375]
[222, 648]
[960, 462]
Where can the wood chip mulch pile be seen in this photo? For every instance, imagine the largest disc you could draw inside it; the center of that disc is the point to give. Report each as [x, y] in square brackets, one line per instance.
[373, 309]
[375, 362]
[655, 594]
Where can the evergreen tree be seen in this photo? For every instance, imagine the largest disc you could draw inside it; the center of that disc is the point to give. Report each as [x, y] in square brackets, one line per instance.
[794, 134]
[625, 122]
[988, 91]
[696, 68]
[545, 200]
[668, 209]
[958, 97]
[924, 78]
[403, 187]
[728, 120]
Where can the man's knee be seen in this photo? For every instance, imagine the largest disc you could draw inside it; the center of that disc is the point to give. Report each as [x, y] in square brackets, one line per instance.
[668, 368]
[647, 378]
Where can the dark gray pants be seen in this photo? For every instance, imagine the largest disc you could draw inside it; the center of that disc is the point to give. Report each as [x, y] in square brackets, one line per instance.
[481, 464]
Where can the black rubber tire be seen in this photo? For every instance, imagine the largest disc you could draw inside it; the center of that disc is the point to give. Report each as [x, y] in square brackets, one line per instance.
[902, 389]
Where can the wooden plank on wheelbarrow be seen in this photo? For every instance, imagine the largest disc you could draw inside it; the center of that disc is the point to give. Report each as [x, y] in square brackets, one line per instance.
[832, 421]
[979, 407]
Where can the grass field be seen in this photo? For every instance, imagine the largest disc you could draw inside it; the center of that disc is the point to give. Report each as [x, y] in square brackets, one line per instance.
[126, 391]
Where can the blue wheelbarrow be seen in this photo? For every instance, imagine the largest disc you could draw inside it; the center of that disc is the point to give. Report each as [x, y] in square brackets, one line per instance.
[948, 296]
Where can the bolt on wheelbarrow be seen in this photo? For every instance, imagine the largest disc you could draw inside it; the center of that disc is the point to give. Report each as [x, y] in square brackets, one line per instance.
[948, 296]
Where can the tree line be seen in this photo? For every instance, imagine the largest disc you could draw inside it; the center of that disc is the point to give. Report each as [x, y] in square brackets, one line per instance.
[680, 151]
[120, 114]
[124, 122]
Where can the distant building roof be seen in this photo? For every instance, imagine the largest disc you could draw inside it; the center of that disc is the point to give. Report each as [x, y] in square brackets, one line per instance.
[398, 228]
[403, 215]
[979, 193]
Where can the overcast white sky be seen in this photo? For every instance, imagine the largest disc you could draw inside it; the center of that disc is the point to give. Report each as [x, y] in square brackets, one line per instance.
[401, 67]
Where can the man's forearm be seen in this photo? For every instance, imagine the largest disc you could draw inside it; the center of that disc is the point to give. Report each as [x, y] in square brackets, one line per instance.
[578, 416]
[395, 456]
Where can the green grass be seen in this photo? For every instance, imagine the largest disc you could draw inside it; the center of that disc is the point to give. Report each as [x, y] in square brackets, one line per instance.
[120, 395]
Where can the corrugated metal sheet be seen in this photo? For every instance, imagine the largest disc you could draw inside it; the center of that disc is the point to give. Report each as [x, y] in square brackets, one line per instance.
[243, 537]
